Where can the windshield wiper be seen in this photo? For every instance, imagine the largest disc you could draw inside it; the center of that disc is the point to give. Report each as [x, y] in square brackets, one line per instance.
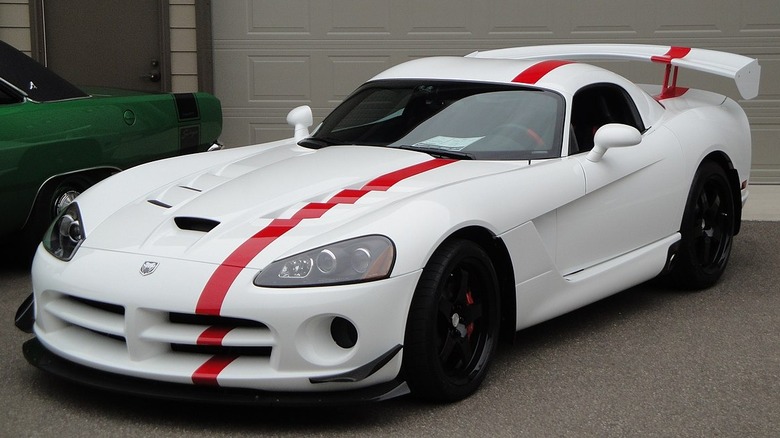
[438, 153]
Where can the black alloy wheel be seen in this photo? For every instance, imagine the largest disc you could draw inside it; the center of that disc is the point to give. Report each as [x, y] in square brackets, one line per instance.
[453, 325]
[707, 229]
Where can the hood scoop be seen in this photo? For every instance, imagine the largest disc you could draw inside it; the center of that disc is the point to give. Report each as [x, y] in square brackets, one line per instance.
[195, 223]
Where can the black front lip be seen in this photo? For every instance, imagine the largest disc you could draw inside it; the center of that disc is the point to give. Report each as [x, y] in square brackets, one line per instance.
[37, 354]
[25, 315]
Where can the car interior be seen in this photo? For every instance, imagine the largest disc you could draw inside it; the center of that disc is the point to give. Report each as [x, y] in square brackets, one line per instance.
[595, 106]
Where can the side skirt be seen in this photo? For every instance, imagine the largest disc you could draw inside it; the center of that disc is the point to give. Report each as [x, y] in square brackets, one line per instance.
[550, 294]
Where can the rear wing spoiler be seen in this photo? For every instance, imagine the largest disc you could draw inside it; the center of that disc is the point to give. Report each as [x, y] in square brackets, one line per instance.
[744, 71]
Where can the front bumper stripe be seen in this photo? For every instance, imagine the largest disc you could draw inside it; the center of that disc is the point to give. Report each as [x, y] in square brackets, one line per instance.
[207, 373]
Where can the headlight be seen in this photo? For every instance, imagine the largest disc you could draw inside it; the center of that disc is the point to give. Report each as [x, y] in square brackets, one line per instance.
[65, 234]
[356, 260]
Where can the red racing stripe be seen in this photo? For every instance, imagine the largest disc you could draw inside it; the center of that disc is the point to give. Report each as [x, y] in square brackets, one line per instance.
[532, 74]
[210, 301]
[674, 52]
[348, 196]
[313, 210]
[213, 294]
[670, 93]
[213, 336]
[207, 373]
[386, 181]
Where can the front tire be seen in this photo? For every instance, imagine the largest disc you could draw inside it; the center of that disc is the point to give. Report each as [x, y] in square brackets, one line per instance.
[707, 229]
[453, 325]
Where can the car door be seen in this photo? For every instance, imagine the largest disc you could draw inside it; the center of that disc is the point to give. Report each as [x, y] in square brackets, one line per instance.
[632, 193]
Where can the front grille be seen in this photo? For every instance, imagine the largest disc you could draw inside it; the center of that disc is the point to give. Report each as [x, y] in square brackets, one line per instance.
[157, 330]
[212, 320]
[228, 324]
[111, 308]
[220, 350]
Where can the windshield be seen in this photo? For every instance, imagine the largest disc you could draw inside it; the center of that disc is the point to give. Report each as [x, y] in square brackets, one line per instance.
[33, 79]
[457, 119]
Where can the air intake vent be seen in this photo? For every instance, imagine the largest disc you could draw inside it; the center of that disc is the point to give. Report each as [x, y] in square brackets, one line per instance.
[158, 203]
[195, 223]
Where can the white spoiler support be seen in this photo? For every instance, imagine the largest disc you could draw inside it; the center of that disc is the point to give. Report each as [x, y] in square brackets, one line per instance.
[744, 71]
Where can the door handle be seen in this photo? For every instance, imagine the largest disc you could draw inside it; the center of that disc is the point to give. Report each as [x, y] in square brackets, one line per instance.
[153, 76]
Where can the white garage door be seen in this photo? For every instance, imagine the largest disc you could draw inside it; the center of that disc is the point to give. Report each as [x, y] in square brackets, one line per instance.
[273, 55]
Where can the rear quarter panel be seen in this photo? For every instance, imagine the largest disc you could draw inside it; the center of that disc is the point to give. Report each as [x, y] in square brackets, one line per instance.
[705, 123]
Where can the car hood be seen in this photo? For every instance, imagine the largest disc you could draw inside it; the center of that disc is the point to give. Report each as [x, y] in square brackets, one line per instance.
[208, 215]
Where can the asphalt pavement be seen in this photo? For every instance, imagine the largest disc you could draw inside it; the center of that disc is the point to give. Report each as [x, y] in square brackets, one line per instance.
[650, 361]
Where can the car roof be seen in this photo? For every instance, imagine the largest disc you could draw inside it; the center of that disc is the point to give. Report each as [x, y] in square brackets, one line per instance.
[564, 77]
[32, 80]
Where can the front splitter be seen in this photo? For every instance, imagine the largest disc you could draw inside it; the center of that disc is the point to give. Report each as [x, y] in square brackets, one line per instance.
[42, 358]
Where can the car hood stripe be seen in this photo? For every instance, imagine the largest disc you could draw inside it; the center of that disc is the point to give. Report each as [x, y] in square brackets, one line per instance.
[216, 289]
[212, 296]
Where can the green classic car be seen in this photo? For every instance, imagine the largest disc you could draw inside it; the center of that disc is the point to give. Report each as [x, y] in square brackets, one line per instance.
[56, 140]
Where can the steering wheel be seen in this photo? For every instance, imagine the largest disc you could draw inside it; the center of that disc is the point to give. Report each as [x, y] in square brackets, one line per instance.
[517, 133]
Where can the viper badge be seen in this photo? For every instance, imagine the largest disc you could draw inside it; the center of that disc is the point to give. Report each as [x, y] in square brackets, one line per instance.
[148, 268]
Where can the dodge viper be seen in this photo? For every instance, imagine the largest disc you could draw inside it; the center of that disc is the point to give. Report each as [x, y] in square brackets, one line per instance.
[447, 202]
[56, 139]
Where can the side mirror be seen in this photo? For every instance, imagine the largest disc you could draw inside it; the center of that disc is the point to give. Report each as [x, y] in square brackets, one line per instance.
[300, 119]
[613, 135]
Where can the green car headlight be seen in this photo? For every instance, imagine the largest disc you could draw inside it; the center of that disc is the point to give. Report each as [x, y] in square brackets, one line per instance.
[356, 260]
[65, 234]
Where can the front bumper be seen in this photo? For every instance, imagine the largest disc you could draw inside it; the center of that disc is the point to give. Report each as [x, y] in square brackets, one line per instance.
[97, 311]
[40, 357]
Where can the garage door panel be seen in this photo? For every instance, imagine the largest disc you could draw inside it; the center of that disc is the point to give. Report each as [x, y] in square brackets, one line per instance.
[513, 18]
[441, 16]
[279, 16]
[348, 71]
[766, 160]
[273, 55]
[349, 17]
[265, 132]
[759, 16]
[276, 79]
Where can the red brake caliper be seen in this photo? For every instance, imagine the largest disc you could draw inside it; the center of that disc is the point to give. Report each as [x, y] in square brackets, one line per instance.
[469, 302]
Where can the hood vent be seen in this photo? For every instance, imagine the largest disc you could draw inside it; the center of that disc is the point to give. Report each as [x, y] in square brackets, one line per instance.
[195, 223]
[158, 203]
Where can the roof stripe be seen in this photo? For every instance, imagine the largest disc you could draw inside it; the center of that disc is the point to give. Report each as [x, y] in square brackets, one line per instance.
[534, 73]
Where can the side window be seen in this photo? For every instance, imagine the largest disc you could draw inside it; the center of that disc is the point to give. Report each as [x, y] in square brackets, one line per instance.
[596, 105]
[7, 98]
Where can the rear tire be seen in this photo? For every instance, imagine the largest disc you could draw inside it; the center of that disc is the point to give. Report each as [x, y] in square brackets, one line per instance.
[453, 325]
[707, 229]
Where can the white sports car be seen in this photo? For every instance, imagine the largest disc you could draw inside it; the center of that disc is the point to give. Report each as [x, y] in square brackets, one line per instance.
[445, 202]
